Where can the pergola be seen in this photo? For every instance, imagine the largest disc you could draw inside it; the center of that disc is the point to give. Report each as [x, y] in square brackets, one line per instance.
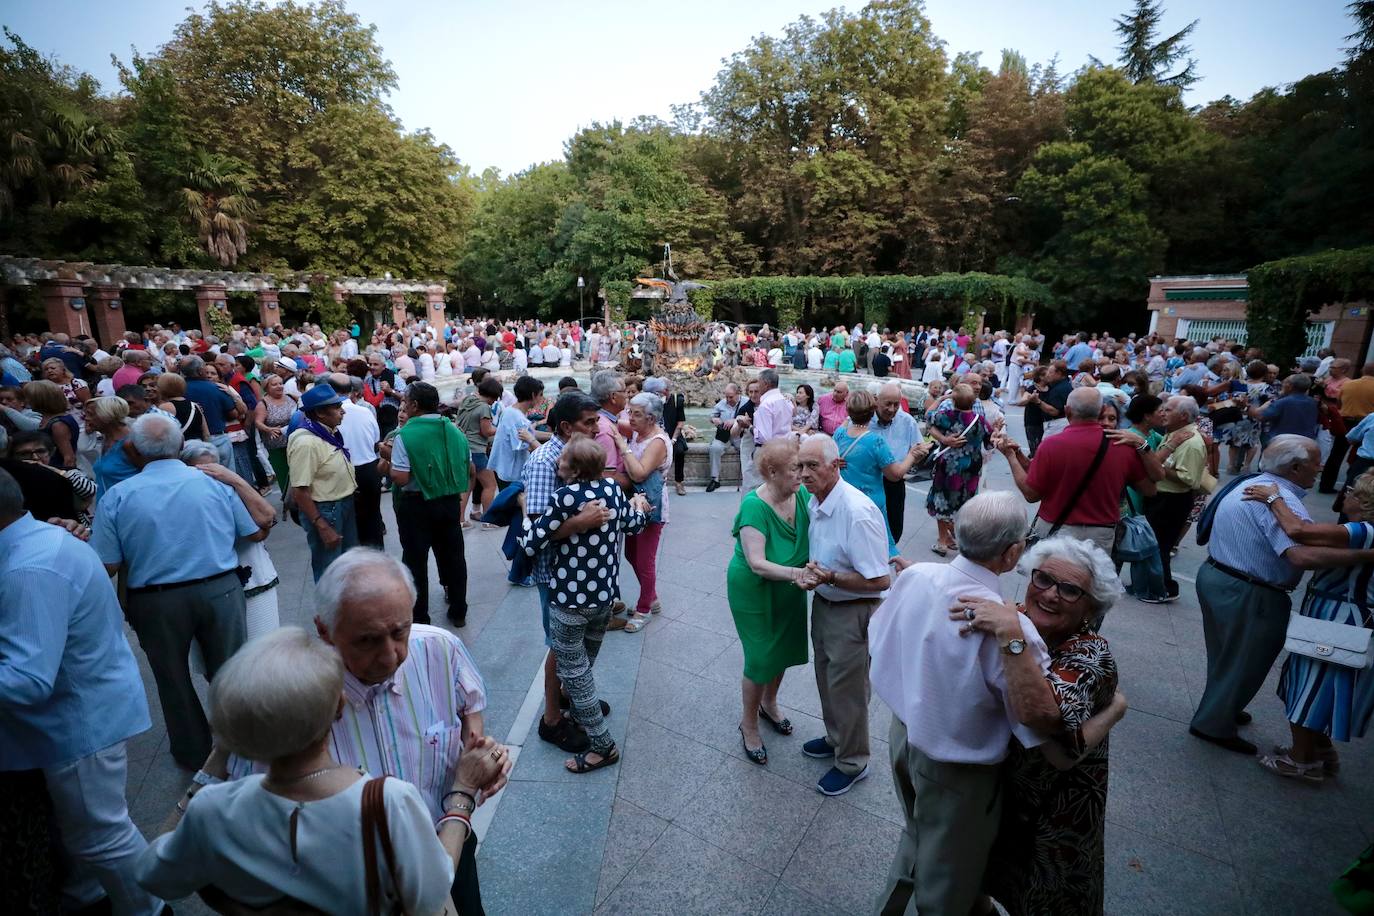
[68, 286]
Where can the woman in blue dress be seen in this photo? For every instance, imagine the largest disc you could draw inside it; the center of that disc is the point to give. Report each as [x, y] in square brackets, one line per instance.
[964, 434]
[865, 457]
[1326, 701]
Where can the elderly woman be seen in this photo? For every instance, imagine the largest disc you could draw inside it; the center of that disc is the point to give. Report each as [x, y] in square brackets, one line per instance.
[1325, 701]
[771, 551]
[46, 398]
[189, 415]
[272, 416]
[866, 458]
[281, 838]
[110, 418]
[1048, 857]
[647, 459]
[74, 389]
[963, 435]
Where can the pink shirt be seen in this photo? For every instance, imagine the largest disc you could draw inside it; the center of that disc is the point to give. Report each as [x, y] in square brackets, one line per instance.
[773, 417]
[605, 434]
[834, 413]
[127, 374]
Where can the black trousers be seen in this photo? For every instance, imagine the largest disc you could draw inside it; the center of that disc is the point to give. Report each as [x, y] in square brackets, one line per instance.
[1035, 433]
[1331, 471]
[679, 458]
[426, 525]
[259, 472]
[895, 492]
[466, 892]
[367, 505]
[387, 417]
[1167, 514]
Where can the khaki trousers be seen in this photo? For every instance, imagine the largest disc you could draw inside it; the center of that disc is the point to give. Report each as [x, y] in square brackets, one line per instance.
[952, 814]
[1103, 536]
[839, 634]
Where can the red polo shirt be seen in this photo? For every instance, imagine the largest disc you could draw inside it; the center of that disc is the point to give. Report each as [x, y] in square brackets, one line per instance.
[1061, 462]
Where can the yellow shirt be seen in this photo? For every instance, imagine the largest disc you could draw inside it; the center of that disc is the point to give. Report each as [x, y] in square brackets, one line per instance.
[1357, 397]
[320, 466]
[1188, 461]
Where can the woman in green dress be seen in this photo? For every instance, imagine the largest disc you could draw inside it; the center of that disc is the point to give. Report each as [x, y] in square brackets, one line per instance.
[768, 606]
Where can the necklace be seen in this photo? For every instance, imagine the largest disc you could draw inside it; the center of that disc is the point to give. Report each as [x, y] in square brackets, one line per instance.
[303, 777]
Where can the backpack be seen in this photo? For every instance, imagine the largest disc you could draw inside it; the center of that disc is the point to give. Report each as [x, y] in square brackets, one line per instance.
[1209, 512]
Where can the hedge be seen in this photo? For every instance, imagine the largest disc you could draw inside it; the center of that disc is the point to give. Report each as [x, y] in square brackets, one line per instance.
[1284, 293]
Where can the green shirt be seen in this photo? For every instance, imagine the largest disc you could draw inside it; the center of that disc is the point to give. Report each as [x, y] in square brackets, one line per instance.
[848, 363]
[436, 454]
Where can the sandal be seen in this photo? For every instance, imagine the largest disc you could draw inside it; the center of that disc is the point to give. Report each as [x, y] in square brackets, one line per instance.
[580, 764]
[939, 549]
[488, 526]
[781, 726]
[1331, 763]
[1285, 765]
[636, 623]
[759, 756]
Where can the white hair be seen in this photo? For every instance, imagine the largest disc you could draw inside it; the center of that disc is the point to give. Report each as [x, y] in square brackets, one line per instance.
[989, 523]
[1187, 405]
[1084, 404]
[830, 452]
[650, 403]
[1105, 586]
[156, 435]
[354, 575]
[198, 448]
[606, 383]
[277, 695]
[1284, 452]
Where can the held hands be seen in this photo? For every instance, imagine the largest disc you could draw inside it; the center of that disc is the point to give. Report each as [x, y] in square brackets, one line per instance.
[1259, 492]
[641, 502]
[986, 616]
[483, 768]
[812, 575]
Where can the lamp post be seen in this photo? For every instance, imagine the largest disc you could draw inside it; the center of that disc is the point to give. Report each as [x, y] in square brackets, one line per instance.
[581, 289]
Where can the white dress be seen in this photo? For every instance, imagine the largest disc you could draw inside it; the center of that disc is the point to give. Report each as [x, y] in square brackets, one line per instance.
[934, 370]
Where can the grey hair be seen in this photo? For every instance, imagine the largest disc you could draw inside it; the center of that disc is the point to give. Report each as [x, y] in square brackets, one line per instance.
[1185, 404]
[606, 383]
[1299, 381]
[1105, 587]
[829, 450]
[11, 496]
[769, 378]
[191, 366]
[156, 435]
[198, 448]
[109, 411]
[353, 575]
[133, 356]
[1283, 452]
[651, 404]
[1084, 404]
[277, 695]
[990, 523]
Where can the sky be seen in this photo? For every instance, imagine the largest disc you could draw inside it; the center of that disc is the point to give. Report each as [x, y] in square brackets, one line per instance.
[504, 84]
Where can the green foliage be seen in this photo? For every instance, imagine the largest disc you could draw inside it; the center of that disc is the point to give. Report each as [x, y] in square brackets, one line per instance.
[1145, 56]
[618, 298]
[331, 313]
[704, 301]
[1284, 293]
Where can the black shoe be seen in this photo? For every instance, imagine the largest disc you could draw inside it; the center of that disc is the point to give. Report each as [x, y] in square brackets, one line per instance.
[713, 486]
[565, 734]
[1234, 743]
[457, 620]
[759, 756]
[564, 703]
[1244, 718]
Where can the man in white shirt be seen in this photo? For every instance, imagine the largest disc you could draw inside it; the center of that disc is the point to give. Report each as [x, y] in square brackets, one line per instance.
[815, 357]
[849, 572]
[361, 434]
[552, 354]
[952, 719]
[348, 347]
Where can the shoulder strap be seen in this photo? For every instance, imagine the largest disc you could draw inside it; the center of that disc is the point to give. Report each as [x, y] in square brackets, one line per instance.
[1082, 485]
[375, 830]
[855, 442]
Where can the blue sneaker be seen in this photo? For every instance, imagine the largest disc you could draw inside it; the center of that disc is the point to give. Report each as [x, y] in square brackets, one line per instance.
[818, 747]
[837, 783]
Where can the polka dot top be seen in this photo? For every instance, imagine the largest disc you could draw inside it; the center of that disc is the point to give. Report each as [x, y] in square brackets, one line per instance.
[586, 566]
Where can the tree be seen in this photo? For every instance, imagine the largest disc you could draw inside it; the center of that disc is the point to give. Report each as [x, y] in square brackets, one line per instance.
[1147, 58]
[216, 203]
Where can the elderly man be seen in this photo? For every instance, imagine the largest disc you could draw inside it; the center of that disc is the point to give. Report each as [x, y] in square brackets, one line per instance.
[773, 416]
[412, 694]
[834, 413]
[898, 428]
[220, 403]
[1052, 404]
[183, 578]
[383, 391]
[743, 429]
[848, 569]
[70, 697]
[952, 719]
[432, 467]
[322, 478]
[1294, 412]
[608, 390]
[1184, 469]
[136, 362]
[723, 419]
[1078, 476]
[1243, 588]
[361, 434]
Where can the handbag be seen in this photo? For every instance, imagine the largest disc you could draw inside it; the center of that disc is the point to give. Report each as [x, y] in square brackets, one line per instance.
[1031, 538]
[652, 488]
[1327, 641]
[1135, 540]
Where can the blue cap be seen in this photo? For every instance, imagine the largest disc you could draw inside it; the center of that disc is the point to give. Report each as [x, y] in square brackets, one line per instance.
[322, 394]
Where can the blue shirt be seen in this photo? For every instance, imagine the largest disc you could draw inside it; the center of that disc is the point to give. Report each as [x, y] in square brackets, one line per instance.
[1077, 353]
[69, 685]
[901, 434]
[1247, 537]
[113, 467]
[212, 400]
[508, 451]
[132, 525]
[1294, 414]
[1361, 434]
[863, 469]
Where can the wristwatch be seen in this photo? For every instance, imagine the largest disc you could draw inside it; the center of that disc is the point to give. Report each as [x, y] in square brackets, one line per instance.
[1014, 647]
[1270, 500]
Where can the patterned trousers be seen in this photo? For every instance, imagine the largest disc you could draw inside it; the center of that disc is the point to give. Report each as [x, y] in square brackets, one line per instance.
[576, 636]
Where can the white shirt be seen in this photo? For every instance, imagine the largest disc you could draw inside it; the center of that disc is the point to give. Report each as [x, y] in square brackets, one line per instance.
[848, 534]
[949, 690]
[815, 359]
[360, 432]
[775, 357]
[873, 340]
[552, 355]
[348, 349]
[426, 366]
[521, 359]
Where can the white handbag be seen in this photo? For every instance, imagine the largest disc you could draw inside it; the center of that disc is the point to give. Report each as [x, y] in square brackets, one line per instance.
[1328, 641]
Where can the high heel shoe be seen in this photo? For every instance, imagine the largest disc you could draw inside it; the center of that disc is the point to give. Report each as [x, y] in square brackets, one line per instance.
[759, 756]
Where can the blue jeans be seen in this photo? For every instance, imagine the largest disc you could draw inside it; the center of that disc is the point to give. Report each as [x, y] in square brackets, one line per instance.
[340, 516]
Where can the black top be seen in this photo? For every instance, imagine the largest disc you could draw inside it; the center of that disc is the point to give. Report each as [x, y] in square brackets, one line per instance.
[881, 364]
[674, 411]
[586, 566]
[47, 493]
[1057, 397]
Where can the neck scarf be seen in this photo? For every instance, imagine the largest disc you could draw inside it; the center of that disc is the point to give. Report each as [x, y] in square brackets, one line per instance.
[310, 424]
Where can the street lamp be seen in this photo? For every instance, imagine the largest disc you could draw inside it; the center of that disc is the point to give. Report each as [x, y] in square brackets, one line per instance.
[581, 288]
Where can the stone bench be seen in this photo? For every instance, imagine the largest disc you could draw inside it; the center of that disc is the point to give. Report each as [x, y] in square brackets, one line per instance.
[696, 470]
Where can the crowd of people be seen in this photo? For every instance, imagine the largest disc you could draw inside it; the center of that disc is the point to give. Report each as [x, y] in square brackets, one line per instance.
[140, 485]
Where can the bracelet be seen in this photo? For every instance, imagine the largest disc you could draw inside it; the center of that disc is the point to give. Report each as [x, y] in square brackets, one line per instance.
[450, 794]
[462, 818]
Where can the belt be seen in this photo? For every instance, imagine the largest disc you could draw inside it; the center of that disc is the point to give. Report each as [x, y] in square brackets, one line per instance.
[844, 600]
[168, 586]
[1246, 577]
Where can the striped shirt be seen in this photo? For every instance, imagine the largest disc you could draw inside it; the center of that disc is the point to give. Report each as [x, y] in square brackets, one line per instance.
[1247, 537]
[540, 477]
[409, 726]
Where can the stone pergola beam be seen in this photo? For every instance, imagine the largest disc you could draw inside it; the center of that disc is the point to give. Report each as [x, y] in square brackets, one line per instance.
[106, 310]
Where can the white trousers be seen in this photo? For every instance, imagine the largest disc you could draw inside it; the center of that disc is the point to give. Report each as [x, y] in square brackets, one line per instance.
[1057, 425]
[97, 834]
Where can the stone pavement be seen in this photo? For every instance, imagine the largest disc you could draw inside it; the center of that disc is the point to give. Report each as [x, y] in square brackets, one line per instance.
[686, 825]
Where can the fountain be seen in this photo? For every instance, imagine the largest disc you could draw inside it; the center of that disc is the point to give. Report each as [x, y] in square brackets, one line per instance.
[677, 333]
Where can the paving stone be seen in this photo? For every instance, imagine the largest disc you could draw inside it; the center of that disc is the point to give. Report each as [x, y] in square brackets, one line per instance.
[631, 832]
[1146, 876]
[788, 901]
[662, 770]
[684, 874]
[682, 645]
[1269, 841]
[843, 858]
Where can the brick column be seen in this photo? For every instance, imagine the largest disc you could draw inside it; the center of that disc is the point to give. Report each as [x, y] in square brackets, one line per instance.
[107, 314]
[269, 308]
[434, 305]
[398, 309]
[209, 296]
[65, 303]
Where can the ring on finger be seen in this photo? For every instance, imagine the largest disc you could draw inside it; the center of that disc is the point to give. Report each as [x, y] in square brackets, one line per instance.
[969, 613]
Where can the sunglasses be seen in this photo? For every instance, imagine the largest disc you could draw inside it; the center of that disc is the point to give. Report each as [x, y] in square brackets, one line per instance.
[1067, 590]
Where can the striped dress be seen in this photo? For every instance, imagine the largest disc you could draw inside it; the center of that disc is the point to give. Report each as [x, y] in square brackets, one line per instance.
[1333, 699]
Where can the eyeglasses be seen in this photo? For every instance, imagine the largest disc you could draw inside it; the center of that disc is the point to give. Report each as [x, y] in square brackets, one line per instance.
[1067, 590]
